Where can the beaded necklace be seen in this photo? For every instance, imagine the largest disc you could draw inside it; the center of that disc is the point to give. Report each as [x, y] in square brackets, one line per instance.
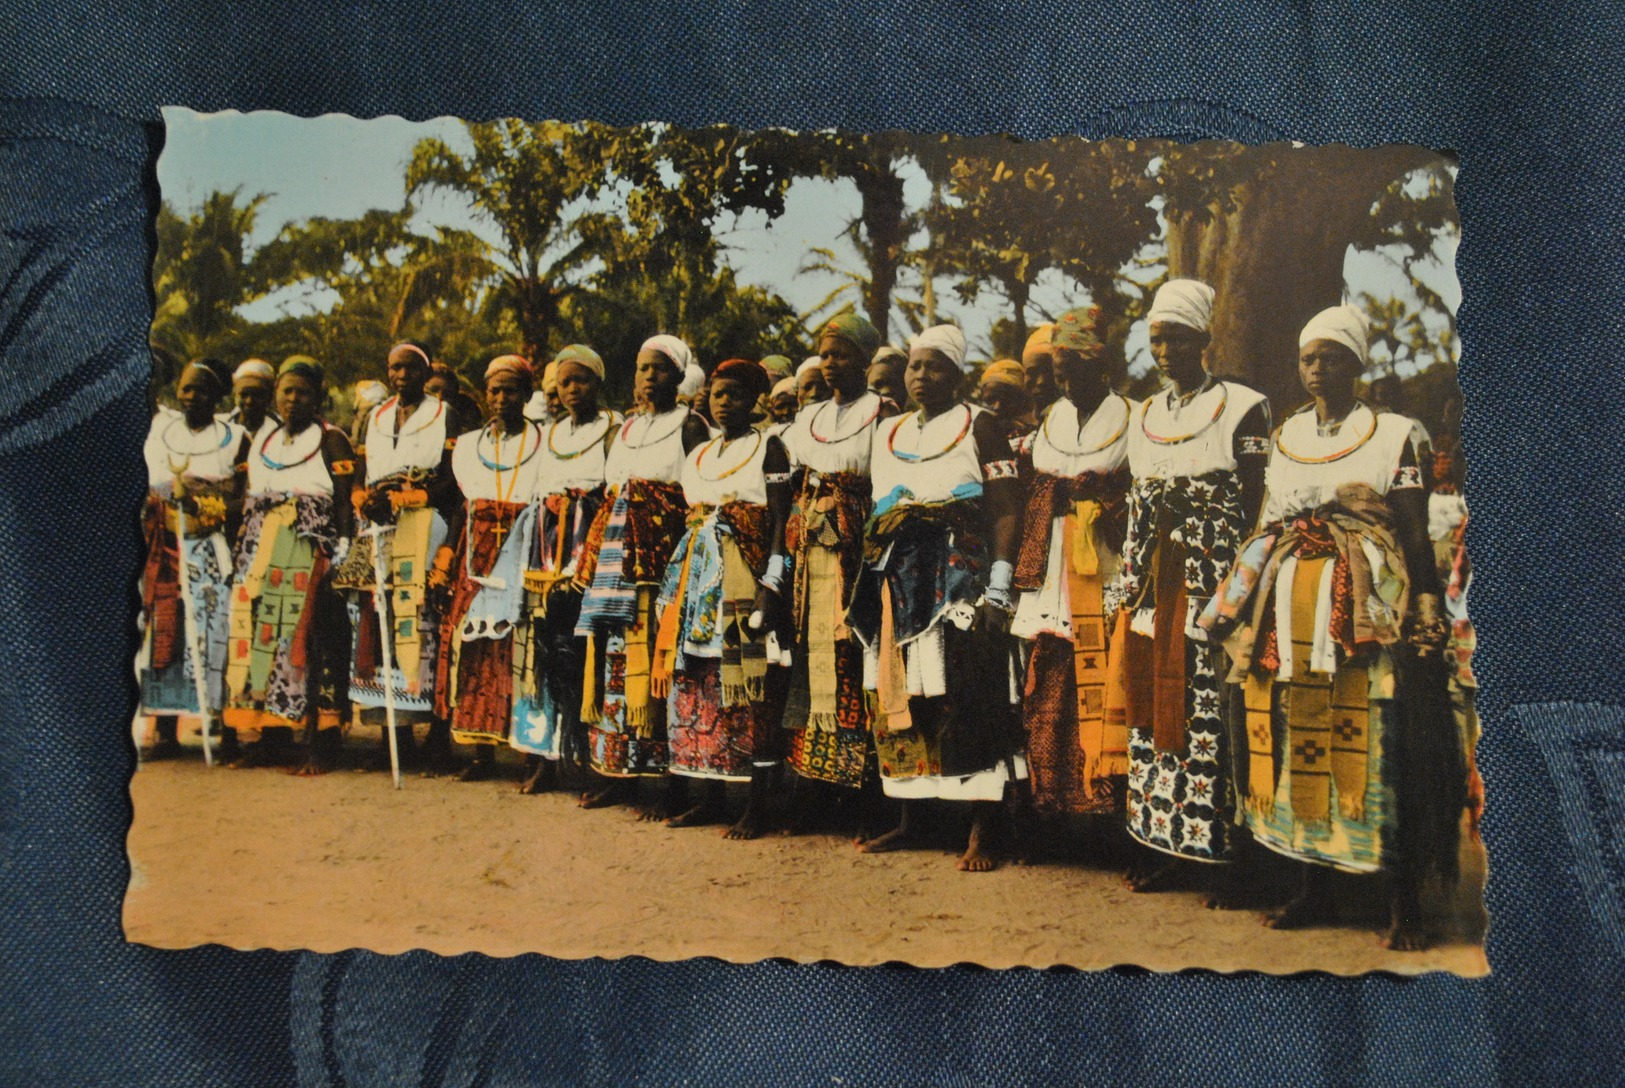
[225, 437]
[724, 440]
[812, 423]
[1174, 440]
[497, 440]
[395, 435]
[916, 458]
[278, 466]
[1330, 457]
[626, 431]
[1128, 412]
[573, 454]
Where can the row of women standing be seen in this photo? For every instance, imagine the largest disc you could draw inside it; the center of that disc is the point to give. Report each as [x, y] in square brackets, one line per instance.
[1170, 612]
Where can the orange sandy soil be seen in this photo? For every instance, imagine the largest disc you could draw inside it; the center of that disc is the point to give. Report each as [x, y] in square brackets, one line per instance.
[260, 859]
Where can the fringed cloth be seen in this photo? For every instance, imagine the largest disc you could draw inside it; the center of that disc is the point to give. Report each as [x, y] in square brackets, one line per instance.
[1181, 539]
[286, 629]
[1078, 761]
[474, 680]
[628, 737]
[168, 684]
[824, 534]
[707, 598]
[624, 559]
[564, 520]
[1163, 684]
[160, 577]
[935, 562]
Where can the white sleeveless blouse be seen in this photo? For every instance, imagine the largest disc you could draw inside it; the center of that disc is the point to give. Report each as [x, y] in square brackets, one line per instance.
[419, 445]
[1306, 468]
[1168, 440]
[298, 467]
[827, 437]
[173, 447]
[486, 467]
[1061, 449]
[648, 447]
[572, 456]
[946, 447]
[717, 474]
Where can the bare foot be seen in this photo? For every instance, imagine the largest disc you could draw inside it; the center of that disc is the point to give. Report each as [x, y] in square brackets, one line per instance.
[1159, 879]
[748, 827]
[478, 771]
[648, 814]
[1302, 912]
[540, 780]
[1406, 937]
[610, 793]
[697, 816]
[977, 858]
[895, 839]
[310, 768]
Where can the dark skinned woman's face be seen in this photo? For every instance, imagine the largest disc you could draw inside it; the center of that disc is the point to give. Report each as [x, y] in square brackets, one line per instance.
[297, 400]
[197, 394]
[578, 388]
[1038, 374]
[932, 379]
[1328, 369]
[1178, 350]
[506, 394]
[437, 386]
[731, 405]
[655, 379]
[784, 407]
[253, 401]
[1076, 371]
[1004, 400]
[844, 366]
[811, 386]
[408, 374]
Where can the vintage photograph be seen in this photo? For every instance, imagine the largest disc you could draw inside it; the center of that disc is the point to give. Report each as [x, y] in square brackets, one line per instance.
[828, 546]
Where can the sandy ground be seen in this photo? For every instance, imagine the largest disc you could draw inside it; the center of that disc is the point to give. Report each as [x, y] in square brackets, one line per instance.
[260, 859]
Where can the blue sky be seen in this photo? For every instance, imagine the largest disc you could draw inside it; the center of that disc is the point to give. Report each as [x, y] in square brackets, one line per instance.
[338, 166]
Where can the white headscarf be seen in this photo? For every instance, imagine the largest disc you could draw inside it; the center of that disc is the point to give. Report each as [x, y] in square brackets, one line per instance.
[693, 377]
[672, 348]
[1346, 325]
[944, 338]
[808, 363]
[254, 368]
[1183, 302]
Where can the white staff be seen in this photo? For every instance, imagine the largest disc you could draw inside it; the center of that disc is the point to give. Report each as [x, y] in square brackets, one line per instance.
[386, 639]
[194, 637]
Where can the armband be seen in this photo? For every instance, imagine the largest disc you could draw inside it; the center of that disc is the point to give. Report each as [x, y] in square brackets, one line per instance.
[1406, 477]
[344, 468]
[1254, 444]
[777, 477]
[999, 470]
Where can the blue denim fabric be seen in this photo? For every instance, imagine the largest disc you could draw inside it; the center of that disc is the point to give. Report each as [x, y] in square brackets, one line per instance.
[1531, 101]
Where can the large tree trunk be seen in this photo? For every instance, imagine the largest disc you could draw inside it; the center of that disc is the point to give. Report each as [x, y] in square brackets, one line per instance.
[1276, 258]
[882, 194]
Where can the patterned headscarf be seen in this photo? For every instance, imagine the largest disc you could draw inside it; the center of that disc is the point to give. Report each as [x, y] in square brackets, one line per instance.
[854, 330]
[1075, 330]
[1038, 341]
[511, 364]
[305, 367]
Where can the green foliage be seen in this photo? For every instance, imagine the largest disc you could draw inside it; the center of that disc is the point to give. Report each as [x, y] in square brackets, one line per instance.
[200, 275]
